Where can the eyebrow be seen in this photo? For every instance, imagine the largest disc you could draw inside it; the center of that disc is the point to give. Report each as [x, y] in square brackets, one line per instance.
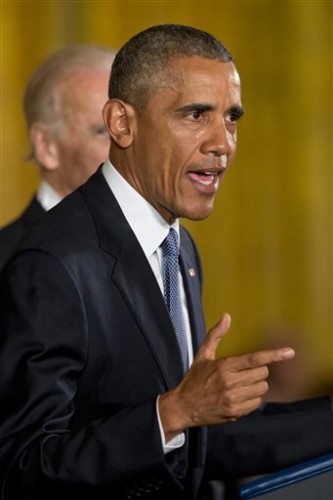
[195, 107]
[235, 109]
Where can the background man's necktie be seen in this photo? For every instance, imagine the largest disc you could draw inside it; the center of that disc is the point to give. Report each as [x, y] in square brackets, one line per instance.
[172, 297]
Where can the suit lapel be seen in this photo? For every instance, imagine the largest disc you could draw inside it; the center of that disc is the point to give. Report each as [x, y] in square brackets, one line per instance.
[134, 278]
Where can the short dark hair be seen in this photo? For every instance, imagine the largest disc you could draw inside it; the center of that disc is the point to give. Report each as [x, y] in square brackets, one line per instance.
[142, 65]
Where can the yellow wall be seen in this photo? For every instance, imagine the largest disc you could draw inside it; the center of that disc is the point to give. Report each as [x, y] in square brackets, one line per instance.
[267, 249]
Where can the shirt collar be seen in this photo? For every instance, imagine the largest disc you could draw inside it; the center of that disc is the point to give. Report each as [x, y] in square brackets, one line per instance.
[47, 196]
[147, 224]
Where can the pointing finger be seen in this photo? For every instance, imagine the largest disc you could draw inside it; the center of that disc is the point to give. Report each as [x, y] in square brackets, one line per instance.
[261, 358]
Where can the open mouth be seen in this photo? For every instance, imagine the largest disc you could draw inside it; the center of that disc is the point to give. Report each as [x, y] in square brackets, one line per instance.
[206, 178]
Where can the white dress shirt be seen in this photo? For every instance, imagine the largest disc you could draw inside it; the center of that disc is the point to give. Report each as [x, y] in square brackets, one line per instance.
[47, 196]
[150, 230]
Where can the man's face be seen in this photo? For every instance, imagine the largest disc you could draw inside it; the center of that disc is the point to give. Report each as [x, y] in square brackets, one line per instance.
[83, 142]
[185, 138]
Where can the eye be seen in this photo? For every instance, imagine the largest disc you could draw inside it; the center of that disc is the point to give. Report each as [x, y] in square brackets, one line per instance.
[235, 115]
[196, 115]
[99, 130]
[233, 118]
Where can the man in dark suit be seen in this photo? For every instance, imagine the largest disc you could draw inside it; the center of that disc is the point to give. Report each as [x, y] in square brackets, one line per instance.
[63, 104]
[97, 399]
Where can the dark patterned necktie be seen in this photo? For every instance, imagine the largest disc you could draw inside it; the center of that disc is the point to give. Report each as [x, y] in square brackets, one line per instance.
[172, 297]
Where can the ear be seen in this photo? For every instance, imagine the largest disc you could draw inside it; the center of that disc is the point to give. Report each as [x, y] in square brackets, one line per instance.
[118, 118]
[44, 146]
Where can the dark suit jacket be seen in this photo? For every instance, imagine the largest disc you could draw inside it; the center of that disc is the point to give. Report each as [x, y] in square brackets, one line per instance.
[11, 234]
[86, 346]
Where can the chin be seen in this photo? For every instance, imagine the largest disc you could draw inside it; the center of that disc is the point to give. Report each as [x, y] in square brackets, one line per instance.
[197, 214]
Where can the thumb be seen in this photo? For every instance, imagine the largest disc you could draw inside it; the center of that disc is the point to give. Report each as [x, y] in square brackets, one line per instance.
[208, 348]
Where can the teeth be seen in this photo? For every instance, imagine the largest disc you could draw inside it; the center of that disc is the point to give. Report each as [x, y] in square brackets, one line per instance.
[206, 183]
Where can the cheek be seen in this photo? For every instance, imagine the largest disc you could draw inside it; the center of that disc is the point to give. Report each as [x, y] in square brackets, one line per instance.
[164, 156]
[93, 153]
[232, 151]
[233, 141]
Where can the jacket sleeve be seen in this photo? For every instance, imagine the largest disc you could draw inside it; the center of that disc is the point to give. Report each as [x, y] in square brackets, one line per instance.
[40, 364]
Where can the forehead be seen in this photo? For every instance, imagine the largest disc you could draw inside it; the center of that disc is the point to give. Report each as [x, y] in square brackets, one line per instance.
[83, 93]
[84, 83]
[200, 79]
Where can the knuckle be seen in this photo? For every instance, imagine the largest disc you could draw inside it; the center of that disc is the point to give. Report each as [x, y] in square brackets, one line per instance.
[230, 401]
[227, 384]
[253, 359]
[229, 411]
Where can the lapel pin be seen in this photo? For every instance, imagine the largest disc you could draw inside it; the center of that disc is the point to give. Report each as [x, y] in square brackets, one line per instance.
[191, 272]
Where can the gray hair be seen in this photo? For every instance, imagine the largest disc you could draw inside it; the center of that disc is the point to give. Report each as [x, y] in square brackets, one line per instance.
[142, 65]
[41, 101]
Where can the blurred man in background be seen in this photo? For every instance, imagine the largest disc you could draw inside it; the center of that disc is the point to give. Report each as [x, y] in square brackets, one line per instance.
[63, 104]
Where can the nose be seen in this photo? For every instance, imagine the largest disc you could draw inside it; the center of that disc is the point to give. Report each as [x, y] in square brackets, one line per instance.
[219, 140]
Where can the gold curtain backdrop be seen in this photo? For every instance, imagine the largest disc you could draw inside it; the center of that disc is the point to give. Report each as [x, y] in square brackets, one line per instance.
[267, 248]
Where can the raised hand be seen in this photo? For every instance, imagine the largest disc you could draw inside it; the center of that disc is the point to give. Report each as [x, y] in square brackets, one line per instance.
[215, 391]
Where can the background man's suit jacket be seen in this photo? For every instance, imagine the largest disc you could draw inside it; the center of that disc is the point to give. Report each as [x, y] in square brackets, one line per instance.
[11, 235]
[87, 345]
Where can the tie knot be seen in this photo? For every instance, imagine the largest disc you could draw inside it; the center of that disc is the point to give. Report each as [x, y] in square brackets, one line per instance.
[170, 243]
